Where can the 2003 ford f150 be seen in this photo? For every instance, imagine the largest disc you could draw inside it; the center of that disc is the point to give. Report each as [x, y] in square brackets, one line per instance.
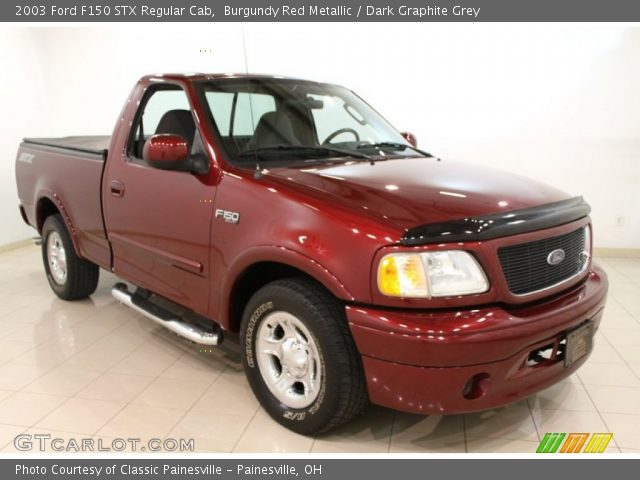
[353, 266]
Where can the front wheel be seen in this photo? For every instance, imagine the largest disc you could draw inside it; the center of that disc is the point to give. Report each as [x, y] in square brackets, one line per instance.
[69, 276]
[300, 358]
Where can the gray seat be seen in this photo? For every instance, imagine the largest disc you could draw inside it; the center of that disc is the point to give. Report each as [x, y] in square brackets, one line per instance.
[178, 122]
[274, 128]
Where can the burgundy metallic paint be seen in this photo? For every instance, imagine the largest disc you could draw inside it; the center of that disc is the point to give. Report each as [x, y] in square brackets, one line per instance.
[165, 148]
[420, 362]
[460, 337]
[333, 222]
[46, 179]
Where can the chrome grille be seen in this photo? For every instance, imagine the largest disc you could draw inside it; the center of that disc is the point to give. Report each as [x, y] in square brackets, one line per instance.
[527, 270]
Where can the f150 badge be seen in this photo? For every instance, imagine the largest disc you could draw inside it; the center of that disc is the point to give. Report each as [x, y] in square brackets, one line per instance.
[228, 216]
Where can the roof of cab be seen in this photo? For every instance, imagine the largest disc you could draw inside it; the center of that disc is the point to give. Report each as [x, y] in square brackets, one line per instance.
[199, 76]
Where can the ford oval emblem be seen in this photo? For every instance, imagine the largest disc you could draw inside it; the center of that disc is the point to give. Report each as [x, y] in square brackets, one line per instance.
[555, 257]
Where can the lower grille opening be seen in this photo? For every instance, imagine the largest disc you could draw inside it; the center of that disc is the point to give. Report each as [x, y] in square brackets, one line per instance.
[547, 354]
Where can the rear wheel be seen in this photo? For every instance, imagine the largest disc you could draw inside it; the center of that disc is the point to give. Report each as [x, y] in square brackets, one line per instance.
[300, 358]
[69, 276]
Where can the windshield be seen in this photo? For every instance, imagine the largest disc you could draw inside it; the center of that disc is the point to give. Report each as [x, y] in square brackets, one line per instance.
[281, 120]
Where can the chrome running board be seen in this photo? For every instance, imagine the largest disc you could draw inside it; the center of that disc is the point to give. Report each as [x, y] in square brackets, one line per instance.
[141, 304]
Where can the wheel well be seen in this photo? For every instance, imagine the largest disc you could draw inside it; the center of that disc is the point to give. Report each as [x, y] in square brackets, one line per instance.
[251, 280]
[45, 209]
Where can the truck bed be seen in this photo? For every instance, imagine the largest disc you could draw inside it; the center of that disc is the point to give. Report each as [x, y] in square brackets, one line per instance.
[67, 171]
[92, 144]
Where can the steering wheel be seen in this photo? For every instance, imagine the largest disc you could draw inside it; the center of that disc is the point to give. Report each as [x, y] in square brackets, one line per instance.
[341, 131]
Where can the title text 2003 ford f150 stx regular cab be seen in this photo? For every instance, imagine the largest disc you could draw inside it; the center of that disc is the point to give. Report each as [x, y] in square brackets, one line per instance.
[353, 265]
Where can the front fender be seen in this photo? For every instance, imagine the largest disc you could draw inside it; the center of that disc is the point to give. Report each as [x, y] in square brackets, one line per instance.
[284, 256]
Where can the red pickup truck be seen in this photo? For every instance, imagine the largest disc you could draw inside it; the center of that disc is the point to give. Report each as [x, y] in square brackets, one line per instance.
[350, 265]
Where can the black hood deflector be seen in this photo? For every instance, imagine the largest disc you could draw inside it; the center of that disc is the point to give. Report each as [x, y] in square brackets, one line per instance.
[496, 225]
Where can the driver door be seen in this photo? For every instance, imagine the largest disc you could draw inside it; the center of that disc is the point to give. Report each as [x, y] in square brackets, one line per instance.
[159, 221]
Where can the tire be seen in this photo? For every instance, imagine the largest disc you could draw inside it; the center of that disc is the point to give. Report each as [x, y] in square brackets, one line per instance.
[312, 379]
[70, 277]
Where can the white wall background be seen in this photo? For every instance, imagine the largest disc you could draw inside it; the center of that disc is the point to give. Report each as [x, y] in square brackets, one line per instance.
[560, 103]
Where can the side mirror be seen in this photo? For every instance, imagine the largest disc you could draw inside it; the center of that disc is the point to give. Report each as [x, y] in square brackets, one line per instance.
[171, 152]
[411, 138]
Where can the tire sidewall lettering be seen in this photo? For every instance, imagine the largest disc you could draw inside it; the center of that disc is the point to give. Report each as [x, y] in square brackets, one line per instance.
[249, 350]
[248, 339]
[323, 386]
[337, 397]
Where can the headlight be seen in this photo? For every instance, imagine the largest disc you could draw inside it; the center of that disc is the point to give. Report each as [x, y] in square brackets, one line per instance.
[430, 274]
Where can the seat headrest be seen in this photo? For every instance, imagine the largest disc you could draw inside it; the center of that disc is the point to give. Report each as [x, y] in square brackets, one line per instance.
[178, 122]
[274, 128]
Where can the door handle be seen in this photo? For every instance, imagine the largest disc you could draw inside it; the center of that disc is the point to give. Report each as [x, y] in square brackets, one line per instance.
[116, 188]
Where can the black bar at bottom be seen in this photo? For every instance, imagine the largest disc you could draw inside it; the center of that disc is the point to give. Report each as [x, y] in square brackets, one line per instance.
[316, 469]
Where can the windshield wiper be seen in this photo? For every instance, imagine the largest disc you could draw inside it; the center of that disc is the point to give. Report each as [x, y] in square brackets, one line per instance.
[393, 146]
[301, 149]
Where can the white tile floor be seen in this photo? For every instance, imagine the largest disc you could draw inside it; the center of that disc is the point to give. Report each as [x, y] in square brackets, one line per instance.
[96, 369]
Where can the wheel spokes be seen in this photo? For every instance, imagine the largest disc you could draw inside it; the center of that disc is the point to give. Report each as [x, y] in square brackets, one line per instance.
[284, 384]
[56, 257]
[288, 359]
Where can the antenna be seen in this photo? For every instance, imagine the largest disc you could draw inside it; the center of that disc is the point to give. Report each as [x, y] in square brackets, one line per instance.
[258, 172]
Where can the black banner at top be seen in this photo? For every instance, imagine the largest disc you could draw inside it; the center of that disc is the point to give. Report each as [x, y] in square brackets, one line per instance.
[320, 11]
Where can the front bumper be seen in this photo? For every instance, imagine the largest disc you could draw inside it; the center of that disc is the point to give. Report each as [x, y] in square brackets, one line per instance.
[449, 361]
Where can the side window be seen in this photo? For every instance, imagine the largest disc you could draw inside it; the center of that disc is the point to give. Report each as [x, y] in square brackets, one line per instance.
[165, 111]
[221, 104]
[159, 104]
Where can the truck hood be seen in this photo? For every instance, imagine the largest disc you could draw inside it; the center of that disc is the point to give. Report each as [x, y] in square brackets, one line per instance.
[416, 191]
